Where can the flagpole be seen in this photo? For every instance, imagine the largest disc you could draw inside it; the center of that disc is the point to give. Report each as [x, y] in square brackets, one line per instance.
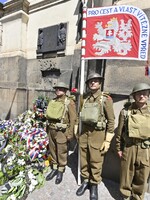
[82, 72]
[83, 47]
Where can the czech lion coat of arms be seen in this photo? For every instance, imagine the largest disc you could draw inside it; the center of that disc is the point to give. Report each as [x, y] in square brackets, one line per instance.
[115, 36]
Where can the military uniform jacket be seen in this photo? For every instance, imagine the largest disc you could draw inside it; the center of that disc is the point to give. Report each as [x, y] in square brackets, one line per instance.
[107, 108]
[122, 136]
[69, 118]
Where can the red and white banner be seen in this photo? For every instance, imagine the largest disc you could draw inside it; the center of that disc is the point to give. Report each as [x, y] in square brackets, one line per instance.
[116, 32]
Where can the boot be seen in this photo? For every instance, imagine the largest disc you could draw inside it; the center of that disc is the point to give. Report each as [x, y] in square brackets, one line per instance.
[82, 188]
[59, 177]
[93, 192]
[51, 175]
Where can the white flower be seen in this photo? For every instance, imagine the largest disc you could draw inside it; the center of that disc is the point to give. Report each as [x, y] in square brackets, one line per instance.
[29, 112]
[34, 182]
[33, 116]
[11, 197]
[9, 161]
[28, 120]
[40, 155]
[13, 156]
[31, 188]
[21, 174]
[31, 175]
[30, 170]
[8, 147]
[21, 162]
[3, 190]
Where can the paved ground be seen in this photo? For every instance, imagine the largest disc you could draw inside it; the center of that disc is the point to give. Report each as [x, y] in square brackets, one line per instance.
[108, 190]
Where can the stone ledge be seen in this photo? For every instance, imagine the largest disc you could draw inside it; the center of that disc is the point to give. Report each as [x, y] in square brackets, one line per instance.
[13, 85]
[13, 16]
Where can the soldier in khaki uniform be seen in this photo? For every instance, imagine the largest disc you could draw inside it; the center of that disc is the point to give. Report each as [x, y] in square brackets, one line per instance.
[60, 129]
[96, 135]
[133, 144]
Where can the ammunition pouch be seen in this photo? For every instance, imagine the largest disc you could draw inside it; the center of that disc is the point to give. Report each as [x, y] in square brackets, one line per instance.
[100, 126]
[60, 126]
[145, 144]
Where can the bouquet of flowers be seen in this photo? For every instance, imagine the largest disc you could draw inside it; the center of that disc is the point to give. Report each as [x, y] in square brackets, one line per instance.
[23, 152]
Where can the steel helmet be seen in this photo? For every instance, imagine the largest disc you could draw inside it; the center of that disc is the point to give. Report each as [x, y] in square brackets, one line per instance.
[61, 85]
[140, 87]
[93, 75]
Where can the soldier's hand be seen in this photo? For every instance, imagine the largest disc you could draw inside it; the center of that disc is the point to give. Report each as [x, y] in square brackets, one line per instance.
[105, 146]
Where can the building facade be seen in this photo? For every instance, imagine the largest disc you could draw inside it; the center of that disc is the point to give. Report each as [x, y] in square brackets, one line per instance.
[40, 43]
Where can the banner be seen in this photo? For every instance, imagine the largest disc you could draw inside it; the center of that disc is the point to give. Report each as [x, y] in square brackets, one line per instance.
[116, 32]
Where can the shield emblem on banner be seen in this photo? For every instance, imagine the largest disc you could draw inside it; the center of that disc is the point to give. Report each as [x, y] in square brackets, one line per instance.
[109, 33]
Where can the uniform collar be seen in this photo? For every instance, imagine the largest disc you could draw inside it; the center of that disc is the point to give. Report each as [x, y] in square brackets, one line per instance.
[135, 109]
[96, 94]
[61, 98]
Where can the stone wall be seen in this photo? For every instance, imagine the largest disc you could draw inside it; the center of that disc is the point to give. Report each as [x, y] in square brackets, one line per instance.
[13, 98]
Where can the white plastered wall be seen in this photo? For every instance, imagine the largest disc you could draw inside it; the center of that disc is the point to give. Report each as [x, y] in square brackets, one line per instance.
[52, 15]
[142, 4]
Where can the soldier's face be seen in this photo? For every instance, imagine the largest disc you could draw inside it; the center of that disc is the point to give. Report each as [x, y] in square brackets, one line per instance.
[94, 84]
[141, 96]
[60, 92]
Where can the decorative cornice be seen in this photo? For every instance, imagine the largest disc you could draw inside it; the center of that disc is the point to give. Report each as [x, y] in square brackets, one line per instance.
[16, 5]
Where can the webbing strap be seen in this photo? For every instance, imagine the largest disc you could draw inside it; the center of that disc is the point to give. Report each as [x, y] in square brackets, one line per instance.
[102, 100]
[67, 101]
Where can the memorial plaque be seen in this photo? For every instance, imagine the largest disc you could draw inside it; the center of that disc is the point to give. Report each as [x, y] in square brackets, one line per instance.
[52, 39]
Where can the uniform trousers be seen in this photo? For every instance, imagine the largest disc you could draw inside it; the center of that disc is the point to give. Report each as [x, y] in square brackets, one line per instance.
[91, 158]
[58, 149]
[135, 168]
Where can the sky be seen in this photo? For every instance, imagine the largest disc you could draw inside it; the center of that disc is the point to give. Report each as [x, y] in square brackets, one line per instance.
[2, 1]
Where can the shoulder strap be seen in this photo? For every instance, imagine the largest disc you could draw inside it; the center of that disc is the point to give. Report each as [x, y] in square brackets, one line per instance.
[127, 113]
[102, 99]
[84, 101]
[67, 101]
[127, 109]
